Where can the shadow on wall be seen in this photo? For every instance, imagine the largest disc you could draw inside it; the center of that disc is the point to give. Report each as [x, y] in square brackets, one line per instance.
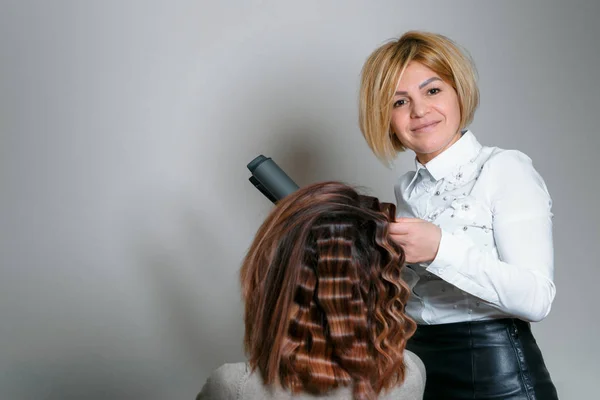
[280, 110]
[293, 145]
[299, 155]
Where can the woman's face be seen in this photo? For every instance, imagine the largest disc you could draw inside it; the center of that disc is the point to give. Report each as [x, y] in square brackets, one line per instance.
[426, 113]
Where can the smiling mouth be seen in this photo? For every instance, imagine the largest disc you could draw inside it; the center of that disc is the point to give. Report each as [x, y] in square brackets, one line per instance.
[426, 127]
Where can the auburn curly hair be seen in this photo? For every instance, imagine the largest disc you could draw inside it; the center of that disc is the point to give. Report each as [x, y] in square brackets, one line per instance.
[324, 300]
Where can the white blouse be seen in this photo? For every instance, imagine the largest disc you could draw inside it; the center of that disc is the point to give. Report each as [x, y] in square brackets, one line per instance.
[495, 258]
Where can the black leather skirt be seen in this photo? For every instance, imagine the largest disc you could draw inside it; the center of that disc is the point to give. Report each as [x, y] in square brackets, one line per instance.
[497, 359]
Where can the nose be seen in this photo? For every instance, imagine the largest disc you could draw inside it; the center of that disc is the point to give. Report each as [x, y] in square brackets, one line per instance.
[419, 108]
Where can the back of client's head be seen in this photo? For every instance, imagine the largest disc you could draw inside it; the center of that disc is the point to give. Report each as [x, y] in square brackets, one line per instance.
[324, 301]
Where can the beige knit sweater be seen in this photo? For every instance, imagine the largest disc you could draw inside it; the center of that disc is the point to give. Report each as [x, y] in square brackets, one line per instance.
[236, 382]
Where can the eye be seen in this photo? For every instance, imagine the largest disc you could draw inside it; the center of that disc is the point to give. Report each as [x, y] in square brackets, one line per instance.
[433, 91]
[399, 103]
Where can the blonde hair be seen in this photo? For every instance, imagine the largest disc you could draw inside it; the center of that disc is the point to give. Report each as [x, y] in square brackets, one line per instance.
[383, 70]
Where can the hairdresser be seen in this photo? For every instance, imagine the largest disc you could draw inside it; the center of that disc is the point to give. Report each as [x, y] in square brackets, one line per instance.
[475, 223]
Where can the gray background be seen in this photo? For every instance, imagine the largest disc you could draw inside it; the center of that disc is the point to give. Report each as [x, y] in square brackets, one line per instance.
[126, 127]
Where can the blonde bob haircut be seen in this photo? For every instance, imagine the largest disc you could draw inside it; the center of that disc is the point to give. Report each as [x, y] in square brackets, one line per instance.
[383, 70]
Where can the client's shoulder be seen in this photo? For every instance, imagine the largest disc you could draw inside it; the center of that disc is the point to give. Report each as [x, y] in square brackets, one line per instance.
[414, 367]
[413, 386]
[225, 382]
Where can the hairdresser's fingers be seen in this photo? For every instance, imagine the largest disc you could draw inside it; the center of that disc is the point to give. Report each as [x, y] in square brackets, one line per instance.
[401, 239]
[404, 241]
[418, 238]
[399, 228]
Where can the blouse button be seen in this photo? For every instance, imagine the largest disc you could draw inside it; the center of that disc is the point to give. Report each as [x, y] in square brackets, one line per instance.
[445, 198]
[437, 193]
[465, 228]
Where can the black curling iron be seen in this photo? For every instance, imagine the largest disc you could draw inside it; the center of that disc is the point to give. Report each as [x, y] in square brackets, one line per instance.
[270, 179]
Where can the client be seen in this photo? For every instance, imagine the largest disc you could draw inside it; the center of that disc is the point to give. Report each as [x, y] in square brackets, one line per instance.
[324, 305]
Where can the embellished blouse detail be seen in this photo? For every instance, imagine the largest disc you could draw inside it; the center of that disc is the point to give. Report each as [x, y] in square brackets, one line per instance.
[495, 257]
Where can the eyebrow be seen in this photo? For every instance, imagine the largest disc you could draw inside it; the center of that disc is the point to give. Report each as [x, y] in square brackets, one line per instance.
[425, 83]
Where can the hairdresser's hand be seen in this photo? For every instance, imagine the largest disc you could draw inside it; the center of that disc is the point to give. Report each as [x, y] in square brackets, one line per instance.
[419, 239]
